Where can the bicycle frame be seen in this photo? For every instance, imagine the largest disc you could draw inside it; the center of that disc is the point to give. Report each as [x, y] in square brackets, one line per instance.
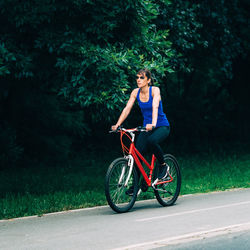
[137, 155]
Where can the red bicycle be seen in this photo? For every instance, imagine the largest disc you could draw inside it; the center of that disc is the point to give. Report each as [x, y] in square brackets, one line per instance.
[122, 176]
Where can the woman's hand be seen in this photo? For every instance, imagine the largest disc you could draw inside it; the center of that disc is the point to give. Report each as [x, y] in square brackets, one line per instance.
[150, 127]
[114, 127]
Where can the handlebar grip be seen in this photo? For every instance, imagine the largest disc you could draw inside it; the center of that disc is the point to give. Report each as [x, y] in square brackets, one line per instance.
[140, 128]
[116, 131]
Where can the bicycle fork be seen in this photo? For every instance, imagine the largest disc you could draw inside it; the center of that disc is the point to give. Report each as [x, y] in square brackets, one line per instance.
[130, 164]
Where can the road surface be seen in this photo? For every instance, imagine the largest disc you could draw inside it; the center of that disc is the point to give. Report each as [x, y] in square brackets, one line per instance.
[196, 220]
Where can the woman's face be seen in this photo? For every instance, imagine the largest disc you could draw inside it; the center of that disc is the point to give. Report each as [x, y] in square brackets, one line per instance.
[142, 80]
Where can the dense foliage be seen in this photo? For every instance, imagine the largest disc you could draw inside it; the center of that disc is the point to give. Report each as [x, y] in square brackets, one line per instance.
[211, 47]
[67, 68]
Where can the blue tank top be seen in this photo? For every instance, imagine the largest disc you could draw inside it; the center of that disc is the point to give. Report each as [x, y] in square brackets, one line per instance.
[147, 110]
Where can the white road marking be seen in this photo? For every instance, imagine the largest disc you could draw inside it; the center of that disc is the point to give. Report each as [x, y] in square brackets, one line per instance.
[193, 211]
[188, 237]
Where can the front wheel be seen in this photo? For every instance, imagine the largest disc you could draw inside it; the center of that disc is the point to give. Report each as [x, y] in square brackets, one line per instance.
[121, 198]
[167, 193]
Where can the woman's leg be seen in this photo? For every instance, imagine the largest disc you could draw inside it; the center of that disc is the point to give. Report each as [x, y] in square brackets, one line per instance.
[141, 146]
[150, 140]
[157, 136]
[141, 143]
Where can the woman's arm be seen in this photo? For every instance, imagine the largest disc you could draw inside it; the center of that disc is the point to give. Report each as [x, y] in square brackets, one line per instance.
[156, 100]
[126, 110]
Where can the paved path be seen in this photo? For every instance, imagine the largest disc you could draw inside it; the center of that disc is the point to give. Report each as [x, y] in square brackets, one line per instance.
[147, 226]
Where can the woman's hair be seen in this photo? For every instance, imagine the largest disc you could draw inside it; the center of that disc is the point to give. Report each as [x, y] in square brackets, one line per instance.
[147, 74]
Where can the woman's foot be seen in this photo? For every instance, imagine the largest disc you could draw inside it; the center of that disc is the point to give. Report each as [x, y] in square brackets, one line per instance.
[163, 171]
[130, 191]
[143, 187]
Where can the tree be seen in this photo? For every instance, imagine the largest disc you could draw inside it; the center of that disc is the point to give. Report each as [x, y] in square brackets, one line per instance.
[86, 51]
[207, 39]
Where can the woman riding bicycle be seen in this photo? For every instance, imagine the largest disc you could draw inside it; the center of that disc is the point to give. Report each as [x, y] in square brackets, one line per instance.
[155, 120]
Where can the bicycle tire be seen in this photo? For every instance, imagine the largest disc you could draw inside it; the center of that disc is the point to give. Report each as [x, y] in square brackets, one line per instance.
[167, 194]
[115, 193]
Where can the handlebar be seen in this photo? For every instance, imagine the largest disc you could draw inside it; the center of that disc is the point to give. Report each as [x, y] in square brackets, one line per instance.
[137, 129]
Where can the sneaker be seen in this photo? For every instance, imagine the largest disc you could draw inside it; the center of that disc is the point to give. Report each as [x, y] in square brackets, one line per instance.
[163, 171]
[130, 191]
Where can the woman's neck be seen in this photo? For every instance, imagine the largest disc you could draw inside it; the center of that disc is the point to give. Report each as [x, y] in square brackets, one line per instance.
[144, 90]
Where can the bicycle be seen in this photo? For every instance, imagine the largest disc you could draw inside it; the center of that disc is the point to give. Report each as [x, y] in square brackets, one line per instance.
[121, 175]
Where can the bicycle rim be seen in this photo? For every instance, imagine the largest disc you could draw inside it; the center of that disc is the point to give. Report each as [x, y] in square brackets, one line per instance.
[167, 193]
[115, 189]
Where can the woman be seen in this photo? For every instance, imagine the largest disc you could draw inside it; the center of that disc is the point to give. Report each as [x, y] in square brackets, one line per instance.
[155, 120]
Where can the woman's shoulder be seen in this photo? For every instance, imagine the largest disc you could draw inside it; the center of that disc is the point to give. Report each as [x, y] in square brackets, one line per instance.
[155, 89]
[135, 92]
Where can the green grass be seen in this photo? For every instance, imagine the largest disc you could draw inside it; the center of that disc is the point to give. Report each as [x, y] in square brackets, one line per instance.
[211, 173]
[39, 190]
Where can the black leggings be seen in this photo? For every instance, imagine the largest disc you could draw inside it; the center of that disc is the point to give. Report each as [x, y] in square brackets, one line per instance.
[150, 141]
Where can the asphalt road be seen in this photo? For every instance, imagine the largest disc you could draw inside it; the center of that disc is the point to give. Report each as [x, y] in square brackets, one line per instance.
[205, 221]
[228, 241]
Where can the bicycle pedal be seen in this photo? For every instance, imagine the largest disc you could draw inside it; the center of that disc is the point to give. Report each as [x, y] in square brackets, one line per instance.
[166, 179]
[144, 188]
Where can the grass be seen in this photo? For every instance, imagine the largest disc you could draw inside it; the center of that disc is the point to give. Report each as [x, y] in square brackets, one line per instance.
[206, 174]
[39, 190]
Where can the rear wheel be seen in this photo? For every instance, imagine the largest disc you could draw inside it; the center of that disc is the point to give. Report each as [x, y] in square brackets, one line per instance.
[115, 190]
[167, 193]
